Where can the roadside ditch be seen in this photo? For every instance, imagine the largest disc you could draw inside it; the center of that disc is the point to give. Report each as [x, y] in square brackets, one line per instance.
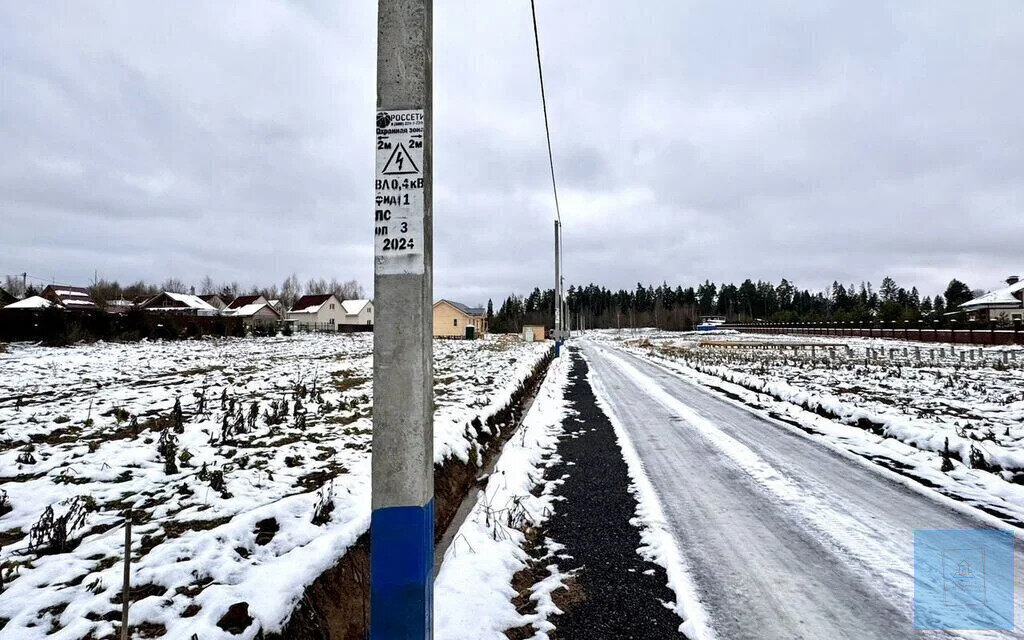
[336, 606]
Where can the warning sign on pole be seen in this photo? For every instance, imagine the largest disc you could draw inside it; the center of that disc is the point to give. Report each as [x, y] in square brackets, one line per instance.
[398, 221]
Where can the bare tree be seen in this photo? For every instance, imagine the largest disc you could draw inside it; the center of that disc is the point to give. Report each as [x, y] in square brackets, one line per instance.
[207, 286]
[270, 293]
[317, 287]
[174, 285]
[103, 291]
[350, 290]
[139, 289]
[229, 291]
[13, 286]
[290, 291]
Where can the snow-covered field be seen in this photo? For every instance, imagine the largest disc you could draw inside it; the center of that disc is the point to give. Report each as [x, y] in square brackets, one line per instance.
[891, 401]
[258, 483]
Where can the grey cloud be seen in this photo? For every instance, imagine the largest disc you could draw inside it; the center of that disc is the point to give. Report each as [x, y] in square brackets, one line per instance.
[807, 140]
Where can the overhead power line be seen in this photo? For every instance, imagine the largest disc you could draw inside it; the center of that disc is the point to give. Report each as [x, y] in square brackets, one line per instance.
[49, 280]
[544, 104]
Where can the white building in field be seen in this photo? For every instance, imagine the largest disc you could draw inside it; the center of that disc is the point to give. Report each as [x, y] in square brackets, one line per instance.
[358, 312]
[319, 312]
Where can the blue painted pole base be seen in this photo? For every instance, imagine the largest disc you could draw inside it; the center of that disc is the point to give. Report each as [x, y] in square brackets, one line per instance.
[401, 573]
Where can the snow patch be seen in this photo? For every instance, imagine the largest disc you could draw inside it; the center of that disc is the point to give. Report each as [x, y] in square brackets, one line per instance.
[473, 590]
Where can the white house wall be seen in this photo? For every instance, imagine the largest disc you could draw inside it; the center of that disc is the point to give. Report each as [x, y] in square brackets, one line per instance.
[364, 317]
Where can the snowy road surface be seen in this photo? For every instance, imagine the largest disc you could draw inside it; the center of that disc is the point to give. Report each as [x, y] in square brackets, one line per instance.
[783, 537]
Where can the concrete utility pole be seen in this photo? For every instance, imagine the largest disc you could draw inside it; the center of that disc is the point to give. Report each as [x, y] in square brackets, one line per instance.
[402, 523]
[558, 280]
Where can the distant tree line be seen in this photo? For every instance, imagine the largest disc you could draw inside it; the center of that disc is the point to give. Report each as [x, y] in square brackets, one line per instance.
[679, 308]
[290, 290]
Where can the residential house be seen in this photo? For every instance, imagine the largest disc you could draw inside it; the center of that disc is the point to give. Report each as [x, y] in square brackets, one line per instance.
[454, 320]
[71, 298]
[358, 312]
[31, 303]
[317, 312]
[182, 303]
[6, 298]
[118, 306]
[243, 301]
[1000, 305]
[253, 310]
[214, 300]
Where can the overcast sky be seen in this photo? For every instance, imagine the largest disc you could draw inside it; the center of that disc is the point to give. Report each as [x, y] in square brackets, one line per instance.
[722, 140]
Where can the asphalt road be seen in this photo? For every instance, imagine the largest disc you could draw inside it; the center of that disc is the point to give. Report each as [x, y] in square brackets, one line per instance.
[784, 537]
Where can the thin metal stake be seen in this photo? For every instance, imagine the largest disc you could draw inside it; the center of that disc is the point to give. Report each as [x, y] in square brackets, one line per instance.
[126, 589]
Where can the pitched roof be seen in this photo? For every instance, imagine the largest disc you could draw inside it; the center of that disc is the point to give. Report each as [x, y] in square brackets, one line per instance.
[250, 310]
[353, 307]
[466, 309]
[183, 300]
[6, 298]
[999, 297]
[243, 301]
[32, 302]
[70, 297]
[310, 303]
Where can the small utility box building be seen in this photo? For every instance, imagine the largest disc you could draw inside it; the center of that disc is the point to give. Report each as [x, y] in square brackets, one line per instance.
[533, 333]
[451, 320]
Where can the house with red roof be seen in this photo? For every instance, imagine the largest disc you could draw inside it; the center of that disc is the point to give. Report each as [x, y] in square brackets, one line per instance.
[253, 310]
[317, 312]
[71, 298]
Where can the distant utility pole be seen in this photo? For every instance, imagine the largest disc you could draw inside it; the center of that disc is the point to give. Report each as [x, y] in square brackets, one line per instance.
[558, 280]
[558, 333]
[402, 523]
